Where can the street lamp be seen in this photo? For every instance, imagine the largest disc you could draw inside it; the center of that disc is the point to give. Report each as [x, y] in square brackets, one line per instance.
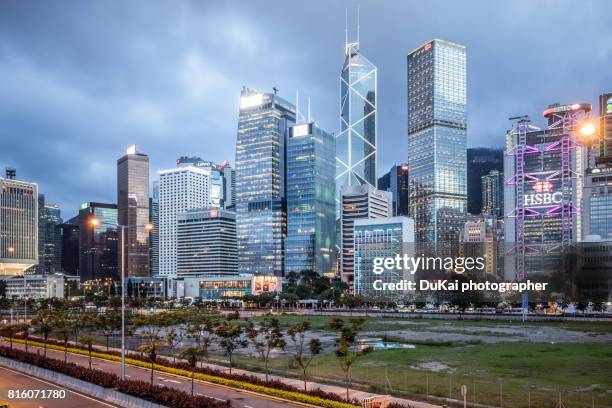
[95, 222]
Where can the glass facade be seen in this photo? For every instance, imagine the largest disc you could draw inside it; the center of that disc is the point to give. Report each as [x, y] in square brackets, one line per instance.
[98, 249]
[356, 153]
[264, 121]
[310, 200]
[49, 238]
[437, 132]
[133, 210]
[598, 202]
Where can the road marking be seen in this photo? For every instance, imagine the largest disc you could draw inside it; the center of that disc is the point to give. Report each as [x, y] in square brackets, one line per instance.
[60, 387]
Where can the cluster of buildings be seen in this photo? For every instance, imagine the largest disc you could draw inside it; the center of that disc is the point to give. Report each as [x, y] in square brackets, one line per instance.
[302, 198]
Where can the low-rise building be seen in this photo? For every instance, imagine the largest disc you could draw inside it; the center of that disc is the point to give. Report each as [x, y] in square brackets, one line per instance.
[35, 286]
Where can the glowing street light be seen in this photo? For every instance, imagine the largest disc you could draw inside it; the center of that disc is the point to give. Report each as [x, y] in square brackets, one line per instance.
[11, 249]
[587, 129]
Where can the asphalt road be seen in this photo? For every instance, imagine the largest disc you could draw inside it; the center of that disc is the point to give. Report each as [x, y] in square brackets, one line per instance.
[14, 380]
[239, 399]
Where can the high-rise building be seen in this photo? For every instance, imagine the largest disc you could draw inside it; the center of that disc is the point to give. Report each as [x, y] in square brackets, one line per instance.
[437, 130]
[597, 201]
[311, 207]
[543, 168]
[222, 179]
[98, 244]
[480, 162]
[206, 243]
[381, 238]
[482, 237]
[605, 128]
[261, 217]
[18, 226]
[358, 202]
[49, 237]
[356, 152]
[70, 246]
[397, 182]
[133, 211]
[493, 194]
[154, 234]
[180, 189]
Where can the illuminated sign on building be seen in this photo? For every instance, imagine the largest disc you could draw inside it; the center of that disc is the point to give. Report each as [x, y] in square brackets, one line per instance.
[251, 101]
[301, 130]
[567, 108]
[265, 283]
[543, 195]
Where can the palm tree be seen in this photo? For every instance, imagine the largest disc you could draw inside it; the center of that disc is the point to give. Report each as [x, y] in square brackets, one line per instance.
[88, 341]
[44, 325]
[192, 355]
[63, 334]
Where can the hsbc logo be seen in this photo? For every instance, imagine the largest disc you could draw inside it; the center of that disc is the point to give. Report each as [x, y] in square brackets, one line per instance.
[543, 198]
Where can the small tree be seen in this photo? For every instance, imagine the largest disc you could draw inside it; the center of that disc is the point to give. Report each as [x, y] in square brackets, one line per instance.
[202, 331]
[172, 339]
[230, 336]
[109, 324]
[26, 334]
[303, 354]
[88, 341]
[192, 355]
[11, 330]
[63, 334]
[348, 349]
[150, 333]
[44, 324]
[265, 337]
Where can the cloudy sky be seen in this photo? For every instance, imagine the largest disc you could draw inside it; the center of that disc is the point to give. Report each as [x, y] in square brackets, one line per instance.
[82, 80]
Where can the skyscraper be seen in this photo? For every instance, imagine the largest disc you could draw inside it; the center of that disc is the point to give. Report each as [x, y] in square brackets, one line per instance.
[154, 234]
[98, 245]
[358, 202]
[261, 217]
[49, 237]
[397, 182]
[480, 161]
[133, 211]
[311, 208]
[493, 194]
[206, 243]
[437, 129]
[180, 189]
[18, 226]
[356, 153]
[605, 128]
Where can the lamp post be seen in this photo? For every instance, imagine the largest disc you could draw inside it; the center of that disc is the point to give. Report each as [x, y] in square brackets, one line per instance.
[149, 227]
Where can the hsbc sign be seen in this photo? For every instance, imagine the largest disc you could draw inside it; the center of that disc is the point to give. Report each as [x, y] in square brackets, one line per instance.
[543, 198]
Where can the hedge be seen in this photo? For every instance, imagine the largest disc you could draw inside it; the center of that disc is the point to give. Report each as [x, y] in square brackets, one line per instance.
[288, 392]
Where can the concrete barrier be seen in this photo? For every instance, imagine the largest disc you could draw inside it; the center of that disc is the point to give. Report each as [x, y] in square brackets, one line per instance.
[93, 390]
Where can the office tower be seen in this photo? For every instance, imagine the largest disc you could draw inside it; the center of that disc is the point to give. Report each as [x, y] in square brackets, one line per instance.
[229, 187]
[493, 194]
[591, 267]
[133, 211]
[397, 182]
[381, 238]
[482, 237]
[11, 173]
[605, 128]
[480, 162]
[154, 234]
[18, 226]
[222, 182]
[49, 238]
[358, 202]
[597, 201]
[98, 244]
[543, 168]
[70, 246]
[180, 189]
[437, 129]
[206, 243]
[261, 216]
[356, 153]
[311, 207]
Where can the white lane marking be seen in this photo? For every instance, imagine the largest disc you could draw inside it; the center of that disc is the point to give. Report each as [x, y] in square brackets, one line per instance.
[209, 396]
[60, 387]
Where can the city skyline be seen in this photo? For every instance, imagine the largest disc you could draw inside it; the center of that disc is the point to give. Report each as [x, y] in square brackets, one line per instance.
[83, 105]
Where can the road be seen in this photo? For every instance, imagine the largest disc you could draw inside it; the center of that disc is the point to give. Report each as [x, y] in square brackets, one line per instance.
[239, 399]
[13, 380]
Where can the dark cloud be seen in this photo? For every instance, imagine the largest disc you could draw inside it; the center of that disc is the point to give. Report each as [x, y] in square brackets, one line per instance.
[80, 81]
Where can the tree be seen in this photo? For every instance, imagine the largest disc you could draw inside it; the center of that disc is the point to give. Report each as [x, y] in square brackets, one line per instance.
[202, 331]
[43, 324]
[150, 334]
[230, 336]
[348, 348]
[265, 337]
[173, 338]
[63, 334]
[303, 355]
[11, 330]
[192, 355]
[88, 341]
[109, 324]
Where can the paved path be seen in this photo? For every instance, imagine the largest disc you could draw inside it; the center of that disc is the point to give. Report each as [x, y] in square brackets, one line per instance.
[14, 380]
